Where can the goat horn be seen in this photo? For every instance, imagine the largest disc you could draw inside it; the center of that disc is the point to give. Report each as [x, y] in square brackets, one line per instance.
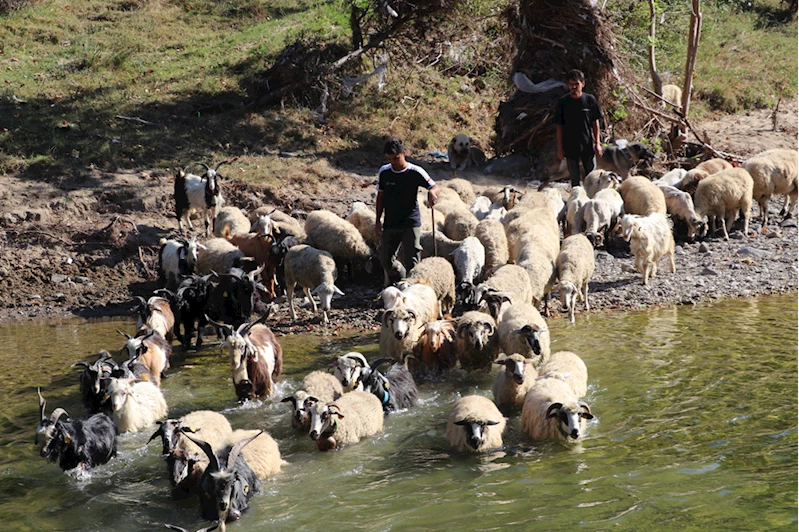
[57, 413]
[220, 325]
[159, 432]
[141, 299]
[125, 335]
[246, 328]
[81, 363]
[239, 445]
[380, 361]
[42, 403]
[213, 461]
[220, 164]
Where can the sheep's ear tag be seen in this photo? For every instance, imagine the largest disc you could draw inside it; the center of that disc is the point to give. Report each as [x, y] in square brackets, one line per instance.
[224, 294]
[386, 385]
[246, 488]
[67, 439]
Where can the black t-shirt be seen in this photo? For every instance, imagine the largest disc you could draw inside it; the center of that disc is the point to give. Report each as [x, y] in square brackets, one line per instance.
[400, 208]
[576, 116]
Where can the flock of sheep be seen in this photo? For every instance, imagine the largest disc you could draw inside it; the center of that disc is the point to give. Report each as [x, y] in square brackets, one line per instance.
[491, 260]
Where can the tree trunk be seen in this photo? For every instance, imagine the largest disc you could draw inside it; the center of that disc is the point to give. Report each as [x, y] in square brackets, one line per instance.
[657, 83]
[693, 48]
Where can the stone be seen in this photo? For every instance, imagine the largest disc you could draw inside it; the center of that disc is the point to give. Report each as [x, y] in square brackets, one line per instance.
[788, 222]
[774, 234]
[753, 252]
[57, 278]
[81, 280]
[704, 248]
[708, 271]
[604, 256]
[737, 235]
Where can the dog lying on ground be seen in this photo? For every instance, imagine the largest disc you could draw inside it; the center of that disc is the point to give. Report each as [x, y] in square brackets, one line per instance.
[462, 153]
[621, 159]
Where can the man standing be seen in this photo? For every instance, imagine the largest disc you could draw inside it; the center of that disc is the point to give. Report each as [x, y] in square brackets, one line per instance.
[577, 124]
[397, 183]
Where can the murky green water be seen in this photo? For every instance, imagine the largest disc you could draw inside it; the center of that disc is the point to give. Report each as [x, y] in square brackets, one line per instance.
[696, 427]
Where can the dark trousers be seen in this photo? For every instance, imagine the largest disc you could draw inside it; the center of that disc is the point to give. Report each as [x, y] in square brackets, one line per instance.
[411, 249]
[589, 162]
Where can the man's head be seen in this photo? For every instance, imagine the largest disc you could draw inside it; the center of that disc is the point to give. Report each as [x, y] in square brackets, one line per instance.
[576, 82]
[395, 153]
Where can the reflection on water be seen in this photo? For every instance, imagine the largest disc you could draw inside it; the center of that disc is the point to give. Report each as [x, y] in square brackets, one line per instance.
[695, 427]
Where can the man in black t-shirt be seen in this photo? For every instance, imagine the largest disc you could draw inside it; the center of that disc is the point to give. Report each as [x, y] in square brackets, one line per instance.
[397, 183]
[577, 123]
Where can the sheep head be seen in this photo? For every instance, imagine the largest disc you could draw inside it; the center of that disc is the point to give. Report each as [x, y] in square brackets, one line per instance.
[349, 369]
[399, 320]
[475, 430]
[324, 419]
[477, 333]
[300, 404]
[515, 366]
[569, 417]
[326, 291]
[532, 337]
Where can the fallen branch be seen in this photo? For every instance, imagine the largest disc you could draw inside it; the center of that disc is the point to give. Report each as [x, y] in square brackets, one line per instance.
[43, 233]
[144, 264]
[711, 149]
[138, 120]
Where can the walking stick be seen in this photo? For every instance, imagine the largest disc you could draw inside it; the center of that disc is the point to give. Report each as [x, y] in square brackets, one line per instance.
[435, 246]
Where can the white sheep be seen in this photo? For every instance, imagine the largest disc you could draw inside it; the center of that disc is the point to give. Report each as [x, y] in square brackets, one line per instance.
[641, 196]
[601, 213]
[513, 380]
[723, 195]
[551, 411]
[329, 232]
[363, 218]
[774, 172]
[491, 233]
[262, 454]
[136, 405]
[557, 203]
[480, 207]
[575, 265]
[282, 221]
[438, 274]
[574, 220]
[459, 224]
[233, 219]
[673, 94]
[476, 341]
[219, 256]
[509, 278]
[315, 271]
[523, 331]
[463, 187]
[318, 384]
[536, 253]
[352, 417]
[402, 323]
[597, 180]
[704, 169]
[442, 246]
[570, 368]
[475, 425]
[650, 238]
[469, 260]
[672, 177]
[680, 204]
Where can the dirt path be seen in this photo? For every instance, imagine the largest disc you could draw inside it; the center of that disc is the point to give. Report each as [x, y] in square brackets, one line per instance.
[87, 246]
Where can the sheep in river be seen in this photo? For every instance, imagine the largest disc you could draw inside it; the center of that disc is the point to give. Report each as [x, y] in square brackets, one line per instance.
[319, 384]
[232, 221]
[510, 278]
[774, 172]
[315, 271]
[522, 330]
[491, 233]
[476, 341]
[351, 369]
[262, 455]
[641, 196]
[598, 180]
[551, 411]
[570, 368]
[136, 405]
[329, 232]
[402, 323]
[650, 238]
[723, 195]
[475, 425]
[513, 380]
[575, 266]
[437, 273]
[352, 417]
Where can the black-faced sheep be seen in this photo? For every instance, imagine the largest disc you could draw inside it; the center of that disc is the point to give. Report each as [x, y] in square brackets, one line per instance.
[723, 195]
[475, 425]
[323, 386]
[575, 266]
[522, 330]
[476, 341]
[195, 193]
[650, 238]
[136, 405]
[73, 443]
[513, 380]
[774, 172]
[551, 411]
[315, 271]
[352, 417]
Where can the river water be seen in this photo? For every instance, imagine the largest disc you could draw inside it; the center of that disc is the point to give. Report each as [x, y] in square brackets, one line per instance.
[696, 427]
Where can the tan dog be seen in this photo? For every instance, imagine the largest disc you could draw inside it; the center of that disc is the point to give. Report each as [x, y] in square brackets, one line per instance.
[462, 153]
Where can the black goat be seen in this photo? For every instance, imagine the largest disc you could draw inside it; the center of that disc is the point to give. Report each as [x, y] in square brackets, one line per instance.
[233, 299]
[284, 241]
[193, 295]
[72, 443]
[94, 381]
[396, 389]
[228, 483]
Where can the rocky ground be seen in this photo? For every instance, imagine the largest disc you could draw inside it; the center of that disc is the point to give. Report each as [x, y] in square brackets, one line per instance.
[87, 246]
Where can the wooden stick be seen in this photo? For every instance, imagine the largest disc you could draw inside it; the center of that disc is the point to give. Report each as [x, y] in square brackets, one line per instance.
[138, 120]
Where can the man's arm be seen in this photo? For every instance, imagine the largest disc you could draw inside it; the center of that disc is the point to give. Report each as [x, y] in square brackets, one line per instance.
[597, 143]
[379, 213]
[432, 195]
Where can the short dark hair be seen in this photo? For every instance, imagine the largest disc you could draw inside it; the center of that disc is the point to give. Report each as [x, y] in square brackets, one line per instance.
[394, 147]
[576, 75]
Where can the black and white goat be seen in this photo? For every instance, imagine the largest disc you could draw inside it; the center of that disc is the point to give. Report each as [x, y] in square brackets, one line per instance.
[177, 258]
[228, 483]
[396, 389]
[195, 193]
[77, 442]
[94, 382]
